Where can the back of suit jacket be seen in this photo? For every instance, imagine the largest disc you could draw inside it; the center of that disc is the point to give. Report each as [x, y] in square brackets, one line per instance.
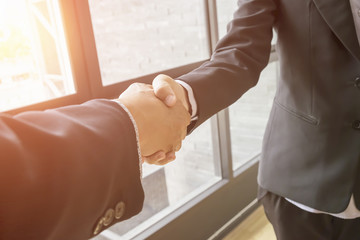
[311, 148]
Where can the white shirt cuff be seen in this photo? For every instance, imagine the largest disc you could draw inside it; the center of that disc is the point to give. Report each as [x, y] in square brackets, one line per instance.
[191, 98]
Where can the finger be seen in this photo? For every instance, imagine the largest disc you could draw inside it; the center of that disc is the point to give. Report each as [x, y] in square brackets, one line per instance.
[152, 159]
[183, 133]
[136, 88]
[170, 156]
[163, 89]
[177, 148]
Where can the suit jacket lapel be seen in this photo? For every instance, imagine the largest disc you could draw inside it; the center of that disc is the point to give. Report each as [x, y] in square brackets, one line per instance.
[337, 14]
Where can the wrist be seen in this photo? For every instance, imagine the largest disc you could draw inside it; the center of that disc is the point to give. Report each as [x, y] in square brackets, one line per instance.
[190, 98]
[138, 118]
[185, 99]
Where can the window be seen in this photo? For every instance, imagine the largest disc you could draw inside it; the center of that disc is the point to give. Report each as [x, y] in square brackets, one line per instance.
[248, 118]
[169, 187]
[34, 62]
[139, 37]
[225, 11]
[135, 38]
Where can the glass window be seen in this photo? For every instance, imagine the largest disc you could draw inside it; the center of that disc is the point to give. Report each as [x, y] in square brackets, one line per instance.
[139, 37]
[34, 62]
[225, 12]
[168, 187]
[249, 115]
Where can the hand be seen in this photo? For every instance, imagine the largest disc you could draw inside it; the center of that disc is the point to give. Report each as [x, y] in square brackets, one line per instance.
[160, 128]
[160, 158]
[170, 92]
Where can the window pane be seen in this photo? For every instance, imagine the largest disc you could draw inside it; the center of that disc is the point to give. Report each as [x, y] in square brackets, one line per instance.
[225, 12]
[139, 37]
[169, 187]
[34, 64]
[249, 115]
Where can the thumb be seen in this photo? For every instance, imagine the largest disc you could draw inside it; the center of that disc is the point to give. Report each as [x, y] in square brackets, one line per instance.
[163, 89]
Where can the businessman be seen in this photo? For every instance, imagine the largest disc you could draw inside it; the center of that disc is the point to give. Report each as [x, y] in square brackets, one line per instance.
[309, 174]
[69, 173]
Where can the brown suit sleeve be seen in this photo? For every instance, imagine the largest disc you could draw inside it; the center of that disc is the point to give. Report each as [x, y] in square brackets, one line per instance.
[63, 170]
[237, 61]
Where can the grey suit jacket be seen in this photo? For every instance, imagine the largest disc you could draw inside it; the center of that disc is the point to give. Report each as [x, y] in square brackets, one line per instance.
[67, 173]
[311, 148]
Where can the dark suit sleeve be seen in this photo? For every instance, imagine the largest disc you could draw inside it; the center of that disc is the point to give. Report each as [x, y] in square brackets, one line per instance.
[63, 170]
[237, 61]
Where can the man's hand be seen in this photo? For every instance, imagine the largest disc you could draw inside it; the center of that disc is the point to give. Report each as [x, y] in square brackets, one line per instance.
[161, 128]
[170, 92]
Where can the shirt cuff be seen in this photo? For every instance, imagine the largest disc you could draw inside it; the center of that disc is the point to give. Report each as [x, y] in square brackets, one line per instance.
[191, 98]
[136, 132]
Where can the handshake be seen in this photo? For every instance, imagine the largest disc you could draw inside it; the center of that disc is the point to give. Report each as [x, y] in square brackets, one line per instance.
[161, 113]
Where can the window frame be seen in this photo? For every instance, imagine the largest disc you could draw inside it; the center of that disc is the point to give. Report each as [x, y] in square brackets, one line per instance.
[98, 90]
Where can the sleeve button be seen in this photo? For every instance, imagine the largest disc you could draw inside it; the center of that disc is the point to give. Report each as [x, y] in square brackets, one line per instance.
[109, 217]
[119, 210]
[99, 226]
[357, 83]
[356, 125]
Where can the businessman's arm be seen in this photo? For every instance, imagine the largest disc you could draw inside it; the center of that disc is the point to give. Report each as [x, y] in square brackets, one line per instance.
[237, 61]
[63, 169]
[72, 172]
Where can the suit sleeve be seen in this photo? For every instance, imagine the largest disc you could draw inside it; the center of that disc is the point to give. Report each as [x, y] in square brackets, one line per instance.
[237, 61]
[67, 172]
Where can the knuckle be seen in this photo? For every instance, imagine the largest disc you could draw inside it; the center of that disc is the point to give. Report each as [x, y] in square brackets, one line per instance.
[162, 89]
[163, 79]
[135, 84]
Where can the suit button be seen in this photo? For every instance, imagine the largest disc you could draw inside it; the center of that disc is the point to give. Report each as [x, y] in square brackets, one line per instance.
[109, 217]
[357, 83]
[99, 226]
[356, 124]
[119, 210]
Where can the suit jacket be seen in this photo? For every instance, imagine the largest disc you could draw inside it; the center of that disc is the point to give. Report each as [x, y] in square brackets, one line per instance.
[311, 148]
[67, 173]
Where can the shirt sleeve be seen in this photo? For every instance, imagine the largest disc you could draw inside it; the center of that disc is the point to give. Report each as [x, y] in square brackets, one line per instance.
[191, 99]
